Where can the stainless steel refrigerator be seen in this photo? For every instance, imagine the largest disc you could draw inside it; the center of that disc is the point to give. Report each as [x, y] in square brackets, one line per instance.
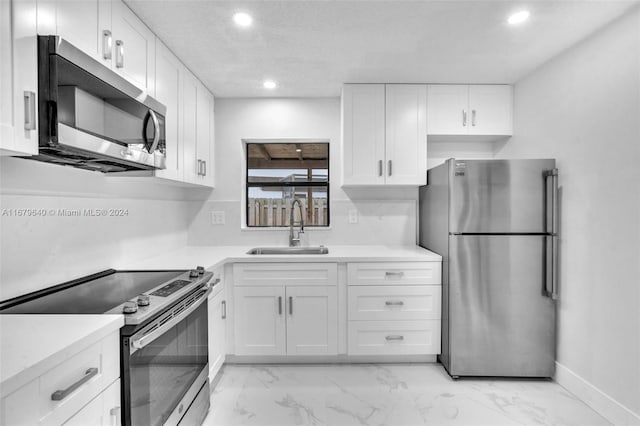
[494, 222]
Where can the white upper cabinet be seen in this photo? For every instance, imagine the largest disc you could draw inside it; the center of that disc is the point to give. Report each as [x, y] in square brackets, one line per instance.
[84, 23]
[190, 164]
[134, 47]
[363, 134]
[168, 92]
[204, 136]
[18, 78]
[470, 110]
[384, 134]
[406, 134]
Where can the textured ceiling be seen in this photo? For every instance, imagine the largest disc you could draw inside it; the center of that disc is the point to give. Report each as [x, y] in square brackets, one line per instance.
[311, 47]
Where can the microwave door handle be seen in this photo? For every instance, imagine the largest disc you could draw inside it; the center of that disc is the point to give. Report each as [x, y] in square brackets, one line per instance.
[151, 147]
[156, 131]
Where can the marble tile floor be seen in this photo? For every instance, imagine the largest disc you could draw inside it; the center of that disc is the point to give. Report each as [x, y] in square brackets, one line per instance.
[386, 394]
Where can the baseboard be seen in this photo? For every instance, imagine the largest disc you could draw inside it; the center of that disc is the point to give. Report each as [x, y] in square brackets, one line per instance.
[329, 359]
[602, 403]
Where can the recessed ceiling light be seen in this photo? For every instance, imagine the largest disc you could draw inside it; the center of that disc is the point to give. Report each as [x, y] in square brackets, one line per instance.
[242, 19]
[518, 17]
[269, 84]
[298, 149]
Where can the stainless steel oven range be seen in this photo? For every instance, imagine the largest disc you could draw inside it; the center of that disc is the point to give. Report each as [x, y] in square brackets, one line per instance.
[163, 345]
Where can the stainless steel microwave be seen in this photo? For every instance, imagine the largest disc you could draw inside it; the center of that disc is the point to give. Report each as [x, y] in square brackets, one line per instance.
[92, 118]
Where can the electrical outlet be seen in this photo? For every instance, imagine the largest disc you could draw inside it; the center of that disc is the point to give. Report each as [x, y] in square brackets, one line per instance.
[217, 218]
[353, 216]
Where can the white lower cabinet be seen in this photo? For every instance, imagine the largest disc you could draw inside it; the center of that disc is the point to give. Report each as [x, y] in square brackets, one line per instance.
[297, 317]
[82, 390]
[394, 337]
[217, 329]
[394, 308]
[286, 320]
[103, 410]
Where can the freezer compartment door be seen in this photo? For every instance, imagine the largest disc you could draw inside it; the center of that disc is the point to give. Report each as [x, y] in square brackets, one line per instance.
[501, 318]
[499, 196]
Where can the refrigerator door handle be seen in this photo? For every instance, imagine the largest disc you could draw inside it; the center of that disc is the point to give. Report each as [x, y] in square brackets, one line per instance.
[551, 285]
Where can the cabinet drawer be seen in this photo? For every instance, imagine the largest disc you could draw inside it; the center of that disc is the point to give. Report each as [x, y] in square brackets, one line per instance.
[395, 302]
[103, 356]
[270, 274]
[383, 273]
[394, 337]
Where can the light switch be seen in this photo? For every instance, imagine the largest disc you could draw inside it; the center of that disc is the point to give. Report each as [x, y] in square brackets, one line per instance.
[353, 216]
[217, 218]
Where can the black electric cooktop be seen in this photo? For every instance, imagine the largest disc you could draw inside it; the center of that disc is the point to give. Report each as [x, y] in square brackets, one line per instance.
[91, 295]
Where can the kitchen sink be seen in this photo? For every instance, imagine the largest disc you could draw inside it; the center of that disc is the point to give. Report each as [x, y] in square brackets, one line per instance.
[289, 250]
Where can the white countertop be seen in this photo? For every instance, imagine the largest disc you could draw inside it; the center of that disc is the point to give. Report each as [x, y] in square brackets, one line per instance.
[212, 257]
[33, 344]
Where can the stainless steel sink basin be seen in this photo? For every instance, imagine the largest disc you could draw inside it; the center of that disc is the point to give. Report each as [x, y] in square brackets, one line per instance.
[289, 250]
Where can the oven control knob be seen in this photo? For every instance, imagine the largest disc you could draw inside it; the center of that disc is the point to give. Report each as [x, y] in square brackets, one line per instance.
[193, 273]
[143, 300]
[130, 308]
[200, 269]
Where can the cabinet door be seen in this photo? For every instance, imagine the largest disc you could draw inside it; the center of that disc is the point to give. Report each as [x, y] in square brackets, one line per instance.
[111, 405]
[23, 83]
[134, 47]
[363, 155]
[217, 332]
[312, 320]
[204, 136]
[491, 109]
[168, 92]
[188, 125]
[406, 134]
[259, 320]
[6, 76]
[448, 109]
[83, 23]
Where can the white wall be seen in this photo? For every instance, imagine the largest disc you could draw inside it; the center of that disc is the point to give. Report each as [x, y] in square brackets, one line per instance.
[380, 220]
[583, 108]
[40, 251]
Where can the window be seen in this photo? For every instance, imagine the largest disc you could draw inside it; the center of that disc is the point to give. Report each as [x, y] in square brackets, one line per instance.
[278, 173]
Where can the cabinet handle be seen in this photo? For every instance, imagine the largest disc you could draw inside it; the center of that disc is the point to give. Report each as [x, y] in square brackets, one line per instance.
[394, 274]
[199, 171]
[290, 305]
[119, 54]
[61, 394]
[389, 166]
[204, 168]
[394, 337]
[107, 41]
[279, 305]
[394, 303]
[473, 117]
[464, 118]
[379, 167]
[29, 110]
[224, 309]
[115, 412]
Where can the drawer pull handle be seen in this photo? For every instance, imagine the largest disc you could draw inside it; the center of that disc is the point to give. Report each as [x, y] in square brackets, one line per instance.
[59, 395]
[394, 303]
[394, 337]
[394, 274]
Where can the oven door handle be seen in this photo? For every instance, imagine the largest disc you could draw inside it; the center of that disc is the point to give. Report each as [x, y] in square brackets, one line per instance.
[141, 342]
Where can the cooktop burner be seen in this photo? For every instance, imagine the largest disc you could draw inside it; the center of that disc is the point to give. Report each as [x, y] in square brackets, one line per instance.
[93, 296]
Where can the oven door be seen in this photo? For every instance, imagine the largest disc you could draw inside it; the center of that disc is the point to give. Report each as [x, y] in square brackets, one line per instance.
[165, 364]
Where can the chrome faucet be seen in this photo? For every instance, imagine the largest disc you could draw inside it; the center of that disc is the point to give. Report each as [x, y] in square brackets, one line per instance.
[295, 241]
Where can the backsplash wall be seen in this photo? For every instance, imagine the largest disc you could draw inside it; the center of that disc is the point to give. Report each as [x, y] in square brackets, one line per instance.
[53, 229]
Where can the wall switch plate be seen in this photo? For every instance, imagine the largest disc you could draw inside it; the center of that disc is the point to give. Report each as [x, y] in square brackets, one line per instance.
[217, 218]
[353, 216]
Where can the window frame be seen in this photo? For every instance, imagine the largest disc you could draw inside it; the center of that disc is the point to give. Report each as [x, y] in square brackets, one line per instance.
[247, 184]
